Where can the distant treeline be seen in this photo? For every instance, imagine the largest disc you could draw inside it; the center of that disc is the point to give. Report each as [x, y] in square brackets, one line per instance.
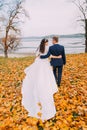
[50, 36]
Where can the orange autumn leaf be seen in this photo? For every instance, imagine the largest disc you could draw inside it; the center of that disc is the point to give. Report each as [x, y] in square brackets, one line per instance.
[39, 114]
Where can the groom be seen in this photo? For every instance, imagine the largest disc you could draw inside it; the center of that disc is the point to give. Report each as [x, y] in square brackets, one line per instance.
[57, 64]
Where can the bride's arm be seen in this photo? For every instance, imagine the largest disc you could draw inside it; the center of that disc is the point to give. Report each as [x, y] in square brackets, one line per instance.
[56, 57]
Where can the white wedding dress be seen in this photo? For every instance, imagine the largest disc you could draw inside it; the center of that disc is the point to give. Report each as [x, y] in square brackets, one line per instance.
[38, 88]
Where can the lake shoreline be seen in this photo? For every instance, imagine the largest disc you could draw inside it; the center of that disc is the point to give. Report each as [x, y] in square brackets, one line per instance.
[22, 55]
[18, 55]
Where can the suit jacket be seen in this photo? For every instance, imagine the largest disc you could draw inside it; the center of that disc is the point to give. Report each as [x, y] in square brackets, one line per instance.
[56, 50]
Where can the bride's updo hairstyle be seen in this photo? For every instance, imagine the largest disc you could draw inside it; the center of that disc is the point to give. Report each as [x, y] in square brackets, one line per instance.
[42, 45]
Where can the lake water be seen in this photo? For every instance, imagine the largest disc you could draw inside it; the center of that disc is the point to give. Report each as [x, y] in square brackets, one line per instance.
[72, 45]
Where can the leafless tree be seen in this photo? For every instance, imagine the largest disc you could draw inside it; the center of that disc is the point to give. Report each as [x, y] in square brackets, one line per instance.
[14, 15]
[1, 3]
[82, 6]
[13, 42]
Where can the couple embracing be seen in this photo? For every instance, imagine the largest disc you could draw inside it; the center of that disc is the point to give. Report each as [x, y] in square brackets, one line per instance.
[42, 80]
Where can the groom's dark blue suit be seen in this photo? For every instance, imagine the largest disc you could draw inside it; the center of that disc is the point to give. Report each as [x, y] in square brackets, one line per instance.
[57, 64]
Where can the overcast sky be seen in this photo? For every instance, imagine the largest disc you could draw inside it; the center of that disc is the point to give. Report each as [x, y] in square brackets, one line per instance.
[51, 17]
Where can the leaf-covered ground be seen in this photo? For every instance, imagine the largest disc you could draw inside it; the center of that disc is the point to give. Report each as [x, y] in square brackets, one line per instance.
[70, 101]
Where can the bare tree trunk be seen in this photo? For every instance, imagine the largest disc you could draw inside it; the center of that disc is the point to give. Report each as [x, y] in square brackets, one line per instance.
[86, 45]
[6, 53]
[6, 47]
[85, 35]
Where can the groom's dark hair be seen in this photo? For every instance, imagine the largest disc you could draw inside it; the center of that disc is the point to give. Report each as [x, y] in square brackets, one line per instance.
[55, 38]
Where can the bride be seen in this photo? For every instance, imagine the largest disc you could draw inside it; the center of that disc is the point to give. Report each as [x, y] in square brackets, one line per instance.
[39, 86]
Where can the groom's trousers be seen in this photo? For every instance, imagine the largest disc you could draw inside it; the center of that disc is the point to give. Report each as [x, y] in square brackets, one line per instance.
[57, 70]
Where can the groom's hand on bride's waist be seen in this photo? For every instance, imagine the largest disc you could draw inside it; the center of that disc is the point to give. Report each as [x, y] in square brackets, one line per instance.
[60, 56]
